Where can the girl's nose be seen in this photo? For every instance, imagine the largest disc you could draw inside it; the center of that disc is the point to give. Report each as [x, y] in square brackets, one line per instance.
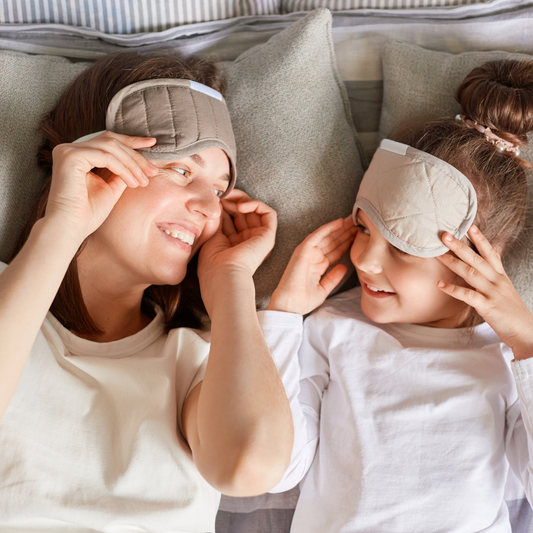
[371, 258]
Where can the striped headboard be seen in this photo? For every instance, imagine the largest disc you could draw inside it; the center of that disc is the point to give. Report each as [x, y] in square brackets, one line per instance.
[131, 16]
[291, 6]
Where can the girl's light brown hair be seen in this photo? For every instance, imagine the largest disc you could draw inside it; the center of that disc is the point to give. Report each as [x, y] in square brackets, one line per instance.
[82, 110]
[497, 95]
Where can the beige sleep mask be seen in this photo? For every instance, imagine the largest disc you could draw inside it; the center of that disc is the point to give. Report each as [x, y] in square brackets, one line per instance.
[413, 197]
[184, 116]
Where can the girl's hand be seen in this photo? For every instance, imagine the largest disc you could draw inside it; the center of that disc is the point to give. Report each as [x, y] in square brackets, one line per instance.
[245, 237]
[303, 286]
[82, 199]
[491, 292]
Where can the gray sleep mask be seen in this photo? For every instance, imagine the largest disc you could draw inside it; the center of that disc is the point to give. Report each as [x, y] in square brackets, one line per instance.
[413, 197]
[184, 116]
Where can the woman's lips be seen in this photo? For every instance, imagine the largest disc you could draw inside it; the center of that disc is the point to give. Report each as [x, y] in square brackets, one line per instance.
[376, 293]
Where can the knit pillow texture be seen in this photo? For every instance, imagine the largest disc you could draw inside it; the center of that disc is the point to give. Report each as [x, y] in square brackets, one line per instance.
[420, 84]
[296, 143]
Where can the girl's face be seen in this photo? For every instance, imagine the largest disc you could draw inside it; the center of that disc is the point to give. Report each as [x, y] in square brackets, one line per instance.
[398, 287]
[152, 232]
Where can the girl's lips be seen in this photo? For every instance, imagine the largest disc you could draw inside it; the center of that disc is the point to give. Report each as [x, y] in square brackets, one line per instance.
[376, 294]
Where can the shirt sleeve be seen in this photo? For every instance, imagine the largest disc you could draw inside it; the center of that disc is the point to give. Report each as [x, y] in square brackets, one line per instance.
[305, 378]
[519, 423]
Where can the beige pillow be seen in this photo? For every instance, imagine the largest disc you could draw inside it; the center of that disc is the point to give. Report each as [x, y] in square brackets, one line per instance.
[420, 84]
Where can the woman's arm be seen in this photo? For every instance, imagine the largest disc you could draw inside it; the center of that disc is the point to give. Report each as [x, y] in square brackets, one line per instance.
[237, 421]
[79, 202]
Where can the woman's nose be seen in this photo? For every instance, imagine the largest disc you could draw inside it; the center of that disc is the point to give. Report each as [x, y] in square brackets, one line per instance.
[204, 201]
[371, 258]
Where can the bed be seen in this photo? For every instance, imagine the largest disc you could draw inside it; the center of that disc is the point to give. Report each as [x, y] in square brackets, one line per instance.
[337, 84]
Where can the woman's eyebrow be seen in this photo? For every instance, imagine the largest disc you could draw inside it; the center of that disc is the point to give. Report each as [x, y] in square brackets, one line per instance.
[198, 159]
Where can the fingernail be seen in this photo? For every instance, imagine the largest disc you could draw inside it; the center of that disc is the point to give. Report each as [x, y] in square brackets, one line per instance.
[441, 284]
[448, 237]
[474, 229]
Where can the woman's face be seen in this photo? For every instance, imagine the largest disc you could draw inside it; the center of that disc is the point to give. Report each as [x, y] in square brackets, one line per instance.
[398, 287]
[153, 231]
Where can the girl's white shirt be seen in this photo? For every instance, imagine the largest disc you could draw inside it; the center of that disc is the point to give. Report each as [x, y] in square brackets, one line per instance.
[399, 427]
[91, 439]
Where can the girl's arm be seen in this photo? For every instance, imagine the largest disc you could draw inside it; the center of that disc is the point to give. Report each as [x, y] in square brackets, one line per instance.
[78, 203]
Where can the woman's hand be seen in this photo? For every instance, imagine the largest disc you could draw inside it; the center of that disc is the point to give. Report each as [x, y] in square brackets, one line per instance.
[303, 286]
[490, 291]
[245, 237]
[82, 199]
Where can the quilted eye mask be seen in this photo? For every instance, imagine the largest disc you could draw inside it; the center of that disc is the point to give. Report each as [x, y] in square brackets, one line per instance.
[184, 116]
[413, 197]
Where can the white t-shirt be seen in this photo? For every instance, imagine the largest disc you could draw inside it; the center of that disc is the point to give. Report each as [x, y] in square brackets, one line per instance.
[90, 441]
[401, 428]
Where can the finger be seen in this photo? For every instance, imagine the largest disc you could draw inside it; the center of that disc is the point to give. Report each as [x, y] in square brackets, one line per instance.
[468, 296]
[136, 162]
[95, 158]
[341, 238]
[333, 278]
[323, 232]
[466, 254]
[266, 214]
[117, 185]
[485, 249]
[342, 246]
[236, 195]
[470, 274]
[228, 228]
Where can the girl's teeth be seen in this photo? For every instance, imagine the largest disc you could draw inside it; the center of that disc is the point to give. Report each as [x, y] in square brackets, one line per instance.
[375, 289]
[188, 239]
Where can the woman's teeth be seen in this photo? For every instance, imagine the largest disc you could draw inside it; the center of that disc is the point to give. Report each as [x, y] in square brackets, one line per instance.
[187, 238]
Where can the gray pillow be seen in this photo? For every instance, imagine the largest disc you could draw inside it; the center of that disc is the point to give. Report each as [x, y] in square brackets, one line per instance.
[296, 144]
[29, 88]
[419, 84]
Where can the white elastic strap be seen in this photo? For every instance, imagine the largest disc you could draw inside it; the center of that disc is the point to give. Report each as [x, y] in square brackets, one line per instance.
[88, 137]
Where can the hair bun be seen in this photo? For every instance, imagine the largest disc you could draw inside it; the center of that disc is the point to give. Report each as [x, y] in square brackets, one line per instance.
[499, 95]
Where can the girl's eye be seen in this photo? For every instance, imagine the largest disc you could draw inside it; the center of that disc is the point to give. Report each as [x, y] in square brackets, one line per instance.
[218, 192]
[363, 229]
[398, 251]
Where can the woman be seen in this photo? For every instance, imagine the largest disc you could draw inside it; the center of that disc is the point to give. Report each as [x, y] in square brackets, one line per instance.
[112, 419]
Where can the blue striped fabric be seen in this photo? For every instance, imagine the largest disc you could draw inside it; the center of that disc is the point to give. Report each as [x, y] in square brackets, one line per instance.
[131, 16]
[291, 6]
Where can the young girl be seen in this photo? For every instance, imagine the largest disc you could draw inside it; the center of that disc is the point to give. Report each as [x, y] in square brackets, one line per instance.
[407, 414]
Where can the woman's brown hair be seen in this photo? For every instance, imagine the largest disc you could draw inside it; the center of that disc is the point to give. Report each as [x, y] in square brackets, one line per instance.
[497, 95]
[82, 110]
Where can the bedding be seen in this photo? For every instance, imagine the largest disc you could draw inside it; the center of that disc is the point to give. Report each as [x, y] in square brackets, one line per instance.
[358, 35]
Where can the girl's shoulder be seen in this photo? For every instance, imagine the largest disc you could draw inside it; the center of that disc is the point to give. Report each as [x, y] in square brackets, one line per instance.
[344, 306]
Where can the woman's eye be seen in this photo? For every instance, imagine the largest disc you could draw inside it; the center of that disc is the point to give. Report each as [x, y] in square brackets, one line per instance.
[182, 171]
[362, 229]
[218, 192]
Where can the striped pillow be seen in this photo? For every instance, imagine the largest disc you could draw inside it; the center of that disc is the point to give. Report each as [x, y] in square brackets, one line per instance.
[131, 16]
[291, 6]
